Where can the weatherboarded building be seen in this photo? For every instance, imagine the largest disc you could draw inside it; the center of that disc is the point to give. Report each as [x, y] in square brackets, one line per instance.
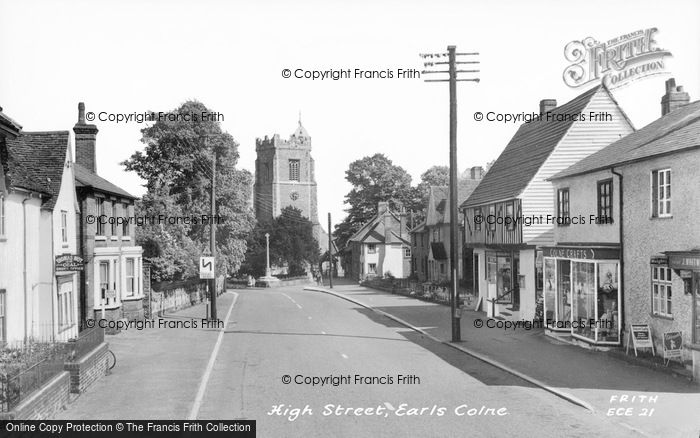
[512, 211]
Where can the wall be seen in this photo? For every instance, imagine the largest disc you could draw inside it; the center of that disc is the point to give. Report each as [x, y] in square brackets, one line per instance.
[583, 138]
[88, 369]
[645, 236]
[583, 200]
[45, 403]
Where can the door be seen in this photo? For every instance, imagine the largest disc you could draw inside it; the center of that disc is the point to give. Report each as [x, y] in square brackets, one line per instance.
[476, 274]
[696, 299]
[515, 281]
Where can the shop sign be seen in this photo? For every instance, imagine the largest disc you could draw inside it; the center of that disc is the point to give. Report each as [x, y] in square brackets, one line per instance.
[641, 337]
[684, 262]
[69, 262]
[673, 345]
[582, 253]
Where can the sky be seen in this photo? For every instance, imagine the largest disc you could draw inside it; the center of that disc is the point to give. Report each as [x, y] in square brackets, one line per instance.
[133, 56]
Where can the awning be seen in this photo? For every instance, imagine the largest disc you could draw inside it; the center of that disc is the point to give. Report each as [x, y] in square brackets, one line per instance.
[684, 259]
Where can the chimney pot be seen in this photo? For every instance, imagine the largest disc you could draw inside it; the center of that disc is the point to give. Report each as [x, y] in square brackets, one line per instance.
[85, 139]
[81, 113]
[547, 105]
[674, 98]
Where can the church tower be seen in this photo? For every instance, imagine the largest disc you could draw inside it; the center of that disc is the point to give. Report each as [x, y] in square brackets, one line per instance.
[284, 176]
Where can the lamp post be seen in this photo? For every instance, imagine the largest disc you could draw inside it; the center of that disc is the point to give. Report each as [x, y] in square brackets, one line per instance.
[268, 274]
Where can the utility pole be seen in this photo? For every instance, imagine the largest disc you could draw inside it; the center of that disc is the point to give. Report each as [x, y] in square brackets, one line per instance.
[212, 238]
[454, 233]
[268, 272]
[330, 253]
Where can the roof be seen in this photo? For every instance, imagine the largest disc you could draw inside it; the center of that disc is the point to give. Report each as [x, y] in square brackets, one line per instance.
[36, 161]
[525, 153]
[374, 231]
[440, 196]
[419, 228]
[8, 125]
[86, 178]
[677, 130]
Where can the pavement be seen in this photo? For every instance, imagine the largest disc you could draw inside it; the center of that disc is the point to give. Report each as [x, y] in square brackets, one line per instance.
[640, 398]
[409, 385]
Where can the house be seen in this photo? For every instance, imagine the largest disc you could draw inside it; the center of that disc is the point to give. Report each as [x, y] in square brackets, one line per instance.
[437, 230]
[112, 282]
[420, 248]
[39, 264]
[381, 247]
[655, 175]
[511, 212]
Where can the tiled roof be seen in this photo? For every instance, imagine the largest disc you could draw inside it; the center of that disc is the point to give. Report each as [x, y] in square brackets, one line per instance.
[679, 129]
[85, 178]
[36, 161]
[526, 152]
[8, 125]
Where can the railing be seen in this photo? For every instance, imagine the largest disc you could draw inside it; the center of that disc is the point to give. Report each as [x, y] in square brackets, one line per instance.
[498, 299]
[19, 381]
[86, 341]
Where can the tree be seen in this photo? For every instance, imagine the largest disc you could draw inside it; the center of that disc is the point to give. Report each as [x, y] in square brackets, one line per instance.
[374, 179]
[177, 166]
[292, 243]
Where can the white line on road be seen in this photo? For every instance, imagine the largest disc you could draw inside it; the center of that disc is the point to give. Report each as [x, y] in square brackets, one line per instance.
[207, 372]
[298, 305]
[292, 300]
[309, 317]
[344, 356]
[322, 332]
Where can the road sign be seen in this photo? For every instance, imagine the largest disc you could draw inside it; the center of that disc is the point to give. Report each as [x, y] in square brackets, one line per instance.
[206, 268]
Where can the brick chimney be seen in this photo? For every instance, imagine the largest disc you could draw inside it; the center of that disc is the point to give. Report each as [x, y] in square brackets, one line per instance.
[547, 105]
[674, 98]
[85, 139]
[476, 172]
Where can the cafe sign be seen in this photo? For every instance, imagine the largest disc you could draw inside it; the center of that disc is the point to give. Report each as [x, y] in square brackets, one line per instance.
[582, 253]
[69, 262]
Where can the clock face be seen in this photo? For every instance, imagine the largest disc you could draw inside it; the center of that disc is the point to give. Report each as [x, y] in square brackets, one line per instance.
[294, 196]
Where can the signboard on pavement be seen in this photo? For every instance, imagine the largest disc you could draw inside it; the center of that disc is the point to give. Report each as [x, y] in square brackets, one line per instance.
[673, 345]
[206, 268]
[641, 337]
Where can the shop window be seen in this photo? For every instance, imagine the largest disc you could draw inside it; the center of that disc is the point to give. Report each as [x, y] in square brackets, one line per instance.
[477, 222]
[661, 293]
[550, 290]
[605, 209]
[607, 300]
[563, 206]
[294, 170]
[661, 193]
[371, 248]
[583, 299]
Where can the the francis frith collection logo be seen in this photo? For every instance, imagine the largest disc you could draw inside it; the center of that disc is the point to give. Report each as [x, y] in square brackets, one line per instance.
[615, 62]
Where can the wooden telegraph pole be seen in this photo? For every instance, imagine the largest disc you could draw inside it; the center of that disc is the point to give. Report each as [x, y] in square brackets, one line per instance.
[454, 232]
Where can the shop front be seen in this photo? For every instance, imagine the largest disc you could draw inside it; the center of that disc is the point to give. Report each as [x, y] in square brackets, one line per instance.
[687, 265]
[581, 293]
[502, 278]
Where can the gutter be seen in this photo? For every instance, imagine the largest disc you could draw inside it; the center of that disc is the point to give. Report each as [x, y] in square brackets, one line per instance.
[622, 250]
[24, 262]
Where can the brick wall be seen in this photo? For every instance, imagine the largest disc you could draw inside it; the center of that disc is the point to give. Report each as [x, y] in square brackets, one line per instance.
[45, 402]
[88, 369]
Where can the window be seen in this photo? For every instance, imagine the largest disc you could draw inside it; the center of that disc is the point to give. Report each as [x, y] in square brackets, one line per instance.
[65, 305]
[64, 226]
[477, 222]
[372, 268]
[492, 217]
[100, 209]
[113, 226]
[294, 170]
[407, 252]
[436, 234]
[510, 217]
[605, 201]
[130, 277]
[3, 317]
[125, 224]
[563, 206]
[2, 215]
[661, 291]
[661, 193]
[442, 268]
[104, 281]
[371, 248]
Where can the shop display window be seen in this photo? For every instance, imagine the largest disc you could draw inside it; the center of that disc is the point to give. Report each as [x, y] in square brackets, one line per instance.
[550, 290]
[608, 315]
[584, 293]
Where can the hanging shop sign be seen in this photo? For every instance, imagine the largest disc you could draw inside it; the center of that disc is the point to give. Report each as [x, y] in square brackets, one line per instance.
[69, 262]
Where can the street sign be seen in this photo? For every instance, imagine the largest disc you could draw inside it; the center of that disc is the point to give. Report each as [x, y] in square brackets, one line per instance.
[111, 294]
[206, 268]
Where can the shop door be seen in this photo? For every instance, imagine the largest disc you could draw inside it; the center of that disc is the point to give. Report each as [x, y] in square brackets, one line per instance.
[515, 284]
[504, 280]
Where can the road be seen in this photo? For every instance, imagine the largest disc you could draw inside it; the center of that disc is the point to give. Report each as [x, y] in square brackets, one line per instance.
[238, 373]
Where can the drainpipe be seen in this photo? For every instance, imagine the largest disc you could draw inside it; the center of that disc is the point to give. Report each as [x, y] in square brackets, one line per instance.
[24, 262]
[622, 254]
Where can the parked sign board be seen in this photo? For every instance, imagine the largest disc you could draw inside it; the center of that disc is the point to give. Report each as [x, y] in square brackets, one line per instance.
[673, 345]
[641, 337]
